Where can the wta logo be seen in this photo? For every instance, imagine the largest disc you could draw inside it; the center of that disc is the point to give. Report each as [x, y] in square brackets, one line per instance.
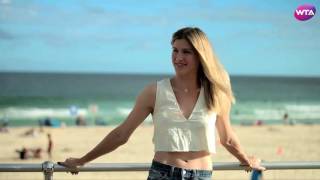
[305, 12]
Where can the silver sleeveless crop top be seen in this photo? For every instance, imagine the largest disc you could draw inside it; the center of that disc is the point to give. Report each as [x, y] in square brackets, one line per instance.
[173, 132]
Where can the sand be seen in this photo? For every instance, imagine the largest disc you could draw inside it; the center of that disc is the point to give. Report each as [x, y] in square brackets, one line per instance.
[270, 143]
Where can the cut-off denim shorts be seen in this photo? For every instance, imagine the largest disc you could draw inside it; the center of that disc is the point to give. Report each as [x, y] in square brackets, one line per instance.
[161, 171]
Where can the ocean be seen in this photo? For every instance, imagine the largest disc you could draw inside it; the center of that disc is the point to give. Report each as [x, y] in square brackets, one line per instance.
[106, 99]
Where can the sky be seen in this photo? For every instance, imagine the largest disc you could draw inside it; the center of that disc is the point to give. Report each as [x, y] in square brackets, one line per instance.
[250, 37]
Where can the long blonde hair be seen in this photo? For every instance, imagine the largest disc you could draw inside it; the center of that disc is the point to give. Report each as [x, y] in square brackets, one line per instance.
[211, 74]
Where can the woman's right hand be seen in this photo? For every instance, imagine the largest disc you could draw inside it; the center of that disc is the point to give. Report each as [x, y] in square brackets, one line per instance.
[72, 164]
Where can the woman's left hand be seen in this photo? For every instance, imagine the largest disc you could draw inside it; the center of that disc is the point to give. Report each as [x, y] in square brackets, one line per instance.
[72, 164]
[254, 164]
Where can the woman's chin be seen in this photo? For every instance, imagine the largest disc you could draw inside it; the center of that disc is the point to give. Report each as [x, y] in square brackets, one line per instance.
[182, 72]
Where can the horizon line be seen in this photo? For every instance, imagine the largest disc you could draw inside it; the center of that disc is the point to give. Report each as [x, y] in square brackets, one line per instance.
[149, 73]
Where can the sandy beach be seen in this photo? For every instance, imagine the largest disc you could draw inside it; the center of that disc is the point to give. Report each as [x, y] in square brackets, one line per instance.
[270, 143]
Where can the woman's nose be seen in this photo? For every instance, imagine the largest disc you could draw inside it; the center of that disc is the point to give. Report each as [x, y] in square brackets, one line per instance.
[179, 57]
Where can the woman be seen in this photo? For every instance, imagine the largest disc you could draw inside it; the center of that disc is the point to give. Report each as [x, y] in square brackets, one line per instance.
[186, 109]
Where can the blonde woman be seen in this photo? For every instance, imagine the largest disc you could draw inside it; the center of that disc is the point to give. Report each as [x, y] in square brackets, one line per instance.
[186, 110]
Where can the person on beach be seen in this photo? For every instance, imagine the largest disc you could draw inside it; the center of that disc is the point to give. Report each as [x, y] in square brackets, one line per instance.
[4, 123]
[23, 153]
[50, 145]
[26, 153]
[186, 109]
[285, 118]
[80, 121]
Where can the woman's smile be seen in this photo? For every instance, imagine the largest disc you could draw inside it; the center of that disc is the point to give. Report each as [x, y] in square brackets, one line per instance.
[180, 65]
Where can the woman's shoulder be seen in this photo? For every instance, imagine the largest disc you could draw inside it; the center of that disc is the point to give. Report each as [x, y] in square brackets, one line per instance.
[148, 95]
[163, 82]
[151, 88]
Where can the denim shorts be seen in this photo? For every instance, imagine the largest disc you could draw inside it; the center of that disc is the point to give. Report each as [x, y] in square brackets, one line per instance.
[161, 171]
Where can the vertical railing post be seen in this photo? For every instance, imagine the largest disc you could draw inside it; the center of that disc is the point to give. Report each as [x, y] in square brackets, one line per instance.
[48, 168]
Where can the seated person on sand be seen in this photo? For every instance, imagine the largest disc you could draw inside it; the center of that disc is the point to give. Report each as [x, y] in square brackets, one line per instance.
[26, 153]
[36, 152]
[30, 132]
[23, 153]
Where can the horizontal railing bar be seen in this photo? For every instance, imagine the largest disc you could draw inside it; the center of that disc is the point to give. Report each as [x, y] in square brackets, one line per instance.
[110, 167]
[145, 166]
[20, 167]
[271, 165]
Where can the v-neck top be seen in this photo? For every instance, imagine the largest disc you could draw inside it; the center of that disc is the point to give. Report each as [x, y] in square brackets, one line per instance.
[173, 132]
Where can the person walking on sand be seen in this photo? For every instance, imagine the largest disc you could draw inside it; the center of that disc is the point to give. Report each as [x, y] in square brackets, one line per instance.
[50, 145]
[186, 109]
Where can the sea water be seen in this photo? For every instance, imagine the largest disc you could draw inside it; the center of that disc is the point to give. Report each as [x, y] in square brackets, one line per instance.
[26, 98]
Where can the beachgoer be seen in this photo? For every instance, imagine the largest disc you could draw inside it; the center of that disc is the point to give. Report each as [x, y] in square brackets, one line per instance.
[4, 123]
[80, 121]
[31, 132]
[36, 152]
[48, 122]
[285, 118]
[23, 153]
[258, 122]
[26, 153]
[185, 109]
[50, 145]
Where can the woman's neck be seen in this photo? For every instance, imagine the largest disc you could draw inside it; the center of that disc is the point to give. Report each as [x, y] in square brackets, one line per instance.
[186, 83]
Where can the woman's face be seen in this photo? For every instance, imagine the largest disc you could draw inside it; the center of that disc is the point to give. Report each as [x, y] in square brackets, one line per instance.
[184, 58]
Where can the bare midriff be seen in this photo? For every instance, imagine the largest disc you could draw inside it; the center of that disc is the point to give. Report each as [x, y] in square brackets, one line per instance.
[188, 160]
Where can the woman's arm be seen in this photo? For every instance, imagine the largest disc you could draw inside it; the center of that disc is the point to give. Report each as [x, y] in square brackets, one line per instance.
[230, 141]
[120, 135]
